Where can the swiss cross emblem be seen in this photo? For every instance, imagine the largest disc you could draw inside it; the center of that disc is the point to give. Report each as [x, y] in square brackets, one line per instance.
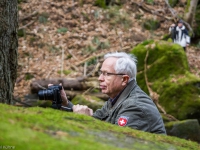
[122, 121]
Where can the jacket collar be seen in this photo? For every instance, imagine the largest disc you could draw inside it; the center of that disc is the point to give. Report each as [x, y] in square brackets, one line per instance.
[182, 28]
[132, 84]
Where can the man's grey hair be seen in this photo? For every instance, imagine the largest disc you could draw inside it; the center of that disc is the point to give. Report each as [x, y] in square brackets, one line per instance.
[126, 64]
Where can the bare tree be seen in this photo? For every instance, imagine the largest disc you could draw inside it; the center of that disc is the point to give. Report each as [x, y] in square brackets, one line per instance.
[8, 49]
[190, 11]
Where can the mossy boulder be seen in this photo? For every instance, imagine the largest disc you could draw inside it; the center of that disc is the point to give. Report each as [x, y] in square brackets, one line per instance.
[90, 101]
[46, 128]
[187, 129]
[169, 76]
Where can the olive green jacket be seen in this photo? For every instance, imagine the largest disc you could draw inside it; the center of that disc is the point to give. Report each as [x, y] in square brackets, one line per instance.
[135, 109]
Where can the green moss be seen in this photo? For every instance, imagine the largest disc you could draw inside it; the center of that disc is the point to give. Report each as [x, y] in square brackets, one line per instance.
[197, 19]
[100, 3]
[117, 18]
[62, 30]
[65, 72]
[21, 1]
[69, 56]
[173, 3]
[43, 103]
[187, 6]
[90, 101]
[166, 37]
[92, 61]
[21, 33]
[169, 75]
[28, 76]
[52, 48]
[151, 2]
[95, 90]
[43, 18]
[40, 128]
[151, 24]
[89, 49]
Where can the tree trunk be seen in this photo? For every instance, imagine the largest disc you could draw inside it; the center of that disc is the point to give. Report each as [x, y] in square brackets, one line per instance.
[190, 11]
[68, 84]
[8, 49]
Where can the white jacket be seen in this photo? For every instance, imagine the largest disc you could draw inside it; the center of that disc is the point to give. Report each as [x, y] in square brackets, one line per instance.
[181, 36]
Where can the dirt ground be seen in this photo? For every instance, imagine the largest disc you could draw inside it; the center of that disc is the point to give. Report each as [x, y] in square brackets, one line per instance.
[58, 38]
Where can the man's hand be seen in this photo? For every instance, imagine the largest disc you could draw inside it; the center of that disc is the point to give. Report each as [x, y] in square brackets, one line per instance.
[173, 25]
[82, 109]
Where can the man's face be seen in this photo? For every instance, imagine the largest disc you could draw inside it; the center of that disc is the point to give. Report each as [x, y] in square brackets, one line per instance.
[110, 84]
[180, 25]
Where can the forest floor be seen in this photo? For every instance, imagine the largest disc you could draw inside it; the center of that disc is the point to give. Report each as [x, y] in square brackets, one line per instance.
[65, 39]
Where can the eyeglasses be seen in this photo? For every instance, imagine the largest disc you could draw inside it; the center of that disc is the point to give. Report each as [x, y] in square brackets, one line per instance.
[105, 74]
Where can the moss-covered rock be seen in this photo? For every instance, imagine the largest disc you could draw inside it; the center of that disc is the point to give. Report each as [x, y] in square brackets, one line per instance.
[187, 129]
[46, 128]
[169, 75]
[90, 101]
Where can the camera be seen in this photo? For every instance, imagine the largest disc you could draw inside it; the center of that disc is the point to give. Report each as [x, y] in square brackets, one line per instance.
[52, 93]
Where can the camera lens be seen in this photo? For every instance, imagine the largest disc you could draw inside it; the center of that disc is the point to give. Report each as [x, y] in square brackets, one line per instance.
[46, 94]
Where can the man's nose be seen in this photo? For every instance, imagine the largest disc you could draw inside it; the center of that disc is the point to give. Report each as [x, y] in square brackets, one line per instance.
[101, 77]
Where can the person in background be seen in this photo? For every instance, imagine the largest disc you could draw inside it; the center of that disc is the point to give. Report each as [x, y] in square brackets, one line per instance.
[128, 105]
[180, 34]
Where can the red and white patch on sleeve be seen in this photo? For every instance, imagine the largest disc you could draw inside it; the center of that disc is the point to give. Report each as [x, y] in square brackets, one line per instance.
[122, 121]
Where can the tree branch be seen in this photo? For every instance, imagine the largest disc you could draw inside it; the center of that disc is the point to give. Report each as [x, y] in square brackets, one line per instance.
[29, 16]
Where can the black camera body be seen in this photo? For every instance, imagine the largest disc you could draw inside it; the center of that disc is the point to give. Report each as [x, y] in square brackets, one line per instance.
[52, 93]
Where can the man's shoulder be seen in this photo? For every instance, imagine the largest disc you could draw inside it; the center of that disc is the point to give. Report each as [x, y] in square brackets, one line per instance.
[137, 95]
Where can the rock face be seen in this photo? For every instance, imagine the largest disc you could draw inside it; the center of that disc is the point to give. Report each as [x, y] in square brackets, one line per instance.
[187, 129]
[168, 75]
[40, 128]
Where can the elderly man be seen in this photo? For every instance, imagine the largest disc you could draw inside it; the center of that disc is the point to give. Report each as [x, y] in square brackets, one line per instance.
[128, 105]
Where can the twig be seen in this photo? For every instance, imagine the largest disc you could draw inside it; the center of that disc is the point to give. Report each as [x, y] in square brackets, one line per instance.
[47, 76]
[21, 102]
[92, 73]
[72, 54]
[62, 62]
[23, 27]
[29, 33]
[40, 86]
[86, 59]
[171, 9]
[88, 90]
[72, 66]
[144, 7]
[96, 69]
[29, 16]
[85, 69]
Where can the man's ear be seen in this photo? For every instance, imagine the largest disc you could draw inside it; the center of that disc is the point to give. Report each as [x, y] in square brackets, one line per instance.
[125, 79]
